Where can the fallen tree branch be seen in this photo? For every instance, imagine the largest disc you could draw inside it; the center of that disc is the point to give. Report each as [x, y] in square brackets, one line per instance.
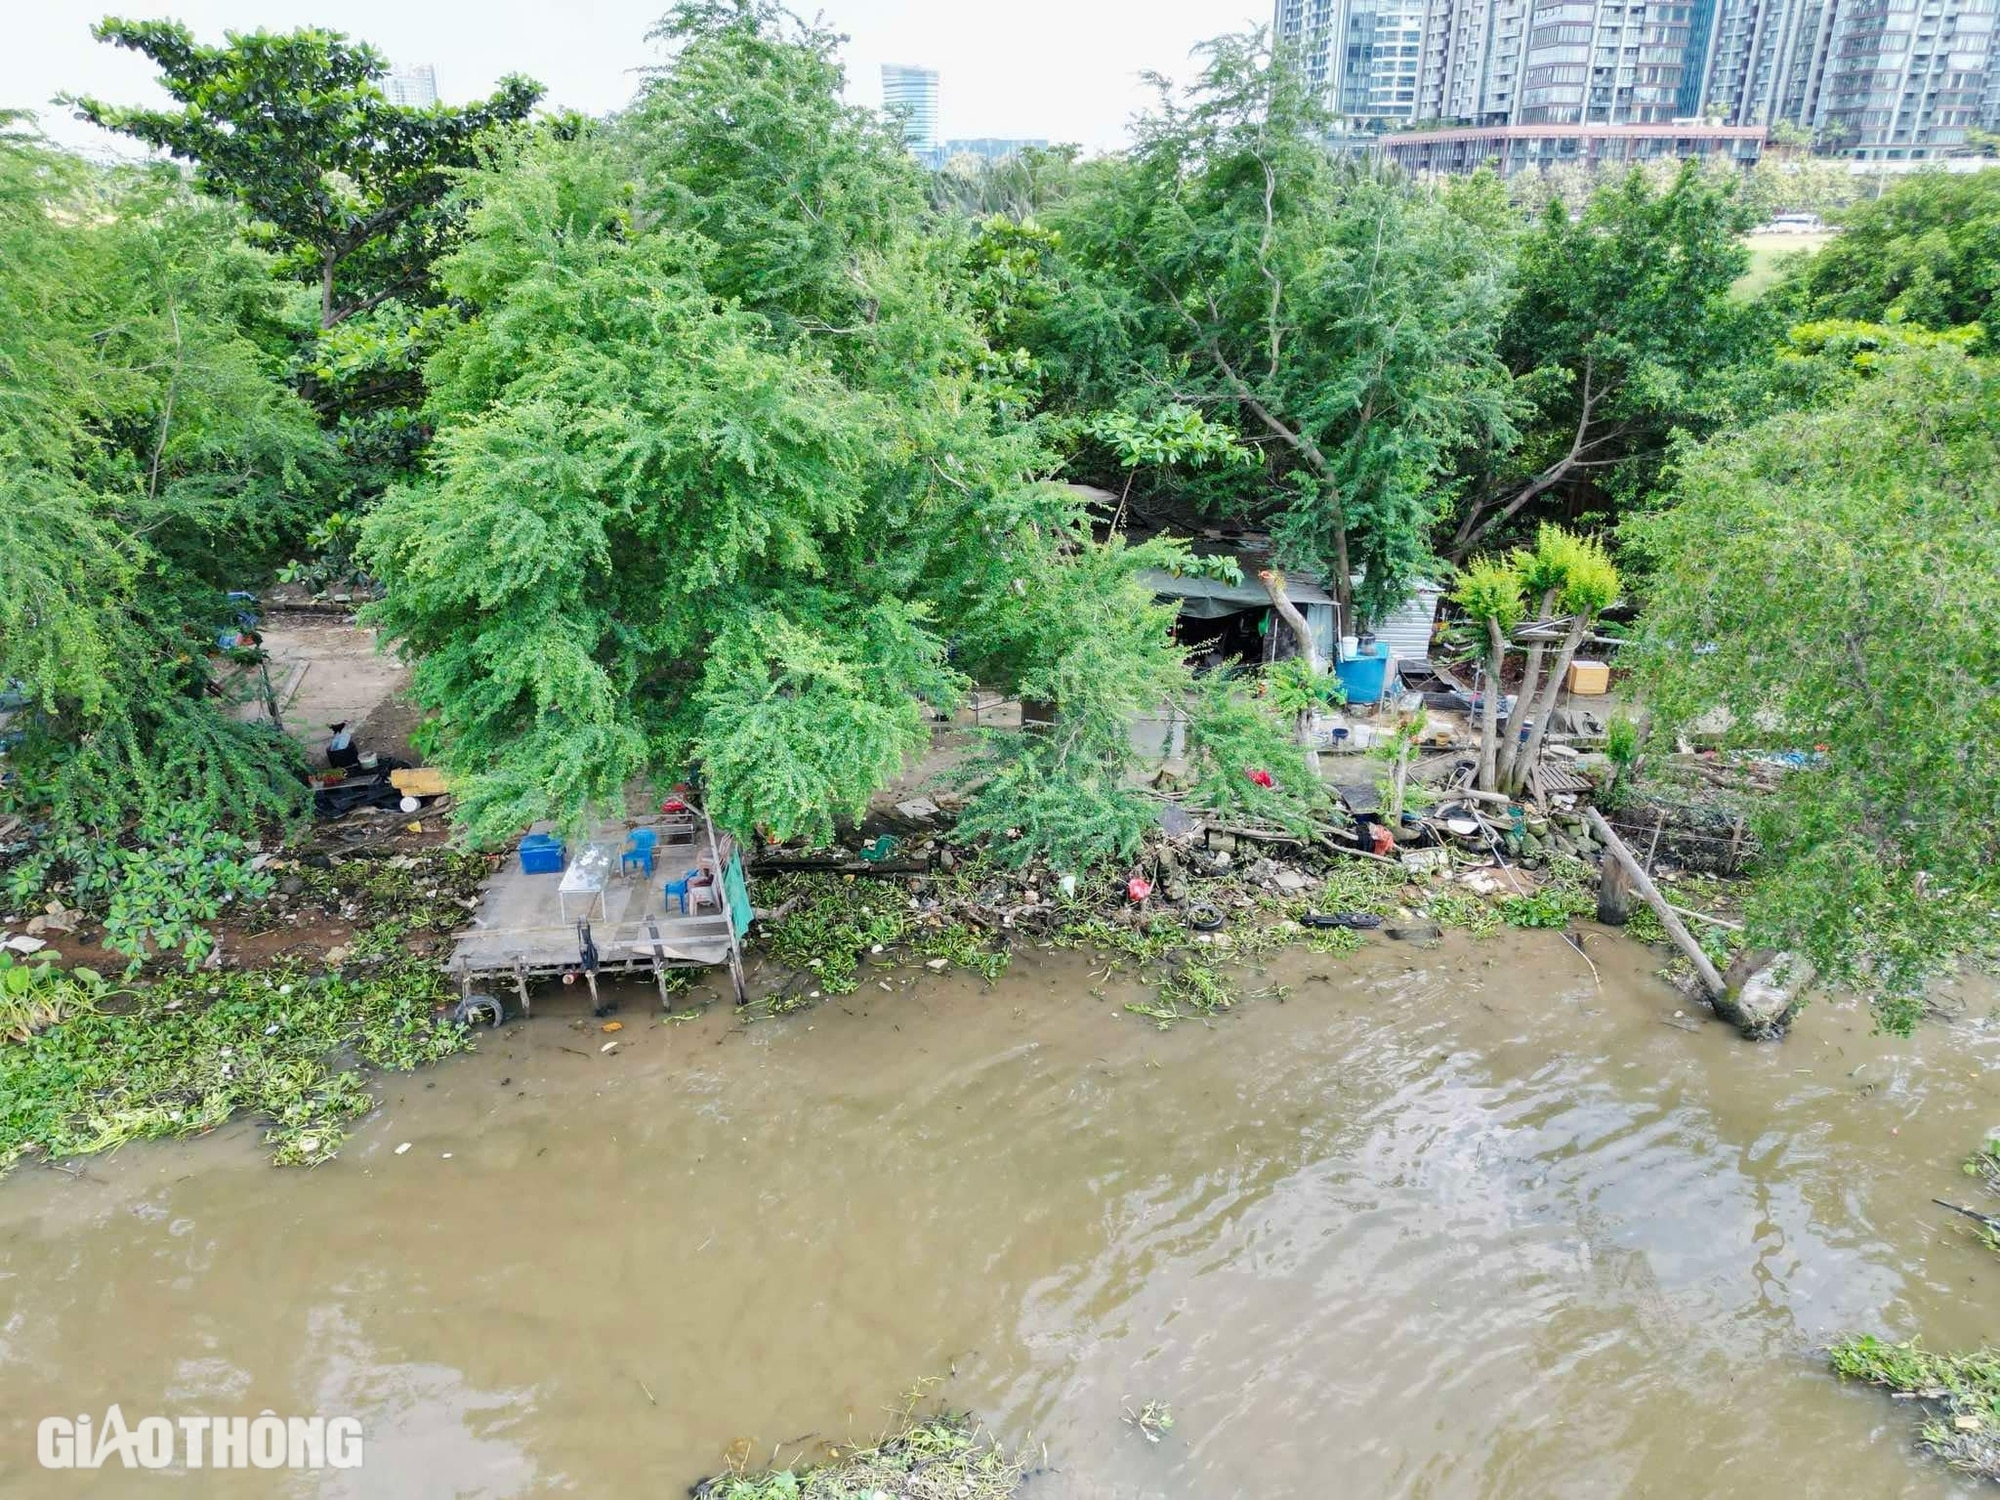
[1353, 853]
[1702, 916]
[1711, 981]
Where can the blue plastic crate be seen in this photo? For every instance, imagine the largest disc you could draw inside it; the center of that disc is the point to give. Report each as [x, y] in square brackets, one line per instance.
[541, 854]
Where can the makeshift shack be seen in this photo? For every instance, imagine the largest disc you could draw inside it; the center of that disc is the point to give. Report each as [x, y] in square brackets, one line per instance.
[1234, 624]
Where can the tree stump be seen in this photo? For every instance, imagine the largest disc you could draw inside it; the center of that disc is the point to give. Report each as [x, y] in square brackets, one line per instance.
[1614, 894]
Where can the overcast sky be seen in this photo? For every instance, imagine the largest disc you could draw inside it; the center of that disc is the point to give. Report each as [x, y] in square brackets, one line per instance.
[1066, 70]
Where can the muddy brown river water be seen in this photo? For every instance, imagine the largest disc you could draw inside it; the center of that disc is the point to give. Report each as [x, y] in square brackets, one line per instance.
[1446, 1223]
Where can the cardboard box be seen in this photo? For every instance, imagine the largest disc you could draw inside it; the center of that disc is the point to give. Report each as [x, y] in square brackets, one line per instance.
[419, 781]
[1588, 679]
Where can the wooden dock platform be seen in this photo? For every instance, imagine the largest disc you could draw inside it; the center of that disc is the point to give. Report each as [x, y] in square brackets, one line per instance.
[528, 930]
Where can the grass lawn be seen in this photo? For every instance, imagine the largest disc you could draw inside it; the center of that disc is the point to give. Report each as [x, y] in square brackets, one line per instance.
[1767, 250]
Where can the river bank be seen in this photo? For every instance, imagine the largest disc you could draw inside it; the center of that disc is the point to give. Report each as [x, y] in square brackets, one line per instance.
[339, 968]
[1458, 1218]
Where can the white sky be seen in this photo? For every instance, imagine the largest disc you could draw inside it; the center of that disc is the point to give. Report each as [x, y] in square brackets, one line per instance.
[1066, 70]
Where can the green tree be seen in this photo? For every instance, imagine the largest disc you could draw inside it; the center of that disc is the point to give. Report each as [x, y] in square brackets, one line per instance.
[1489, 591]
[723, 482]
[296, 128]
[1623, 321]
[1826, 580]
[151, 459]
[793, 187]
[1574, 580]
[1341, 321]
[1925, 252]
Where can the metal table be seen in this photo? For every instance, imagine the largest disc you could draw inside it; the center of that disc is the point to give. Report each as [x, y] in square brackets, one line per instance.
[587, 876]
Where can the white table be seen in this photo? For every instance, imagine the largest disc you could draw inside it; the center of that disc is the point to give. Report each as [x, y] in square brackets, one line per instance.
[587, 876]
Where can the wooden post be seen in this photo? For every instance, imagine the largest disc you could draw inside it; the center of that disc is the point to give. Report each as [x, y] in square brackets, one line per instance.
[1649, 893]
[722, 893]
[521, 987]
[1614, 894]
[659, 964]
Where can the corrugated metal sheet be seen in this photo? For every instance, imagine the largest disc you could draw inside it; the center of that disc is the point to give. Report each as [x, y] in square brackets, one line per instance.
[1408, 629]
[1210, 598]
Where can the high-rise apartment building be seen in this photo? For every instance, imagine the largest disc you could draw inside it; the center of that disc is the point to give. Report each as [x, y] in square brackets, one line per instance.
[414, 87]
[911, 95]
[1761, 63]
[1903, 80]
[1880, 80]
[1365, 55]
[1596, 62]
[1874, 79]
[1472, 61]
[1491, 62]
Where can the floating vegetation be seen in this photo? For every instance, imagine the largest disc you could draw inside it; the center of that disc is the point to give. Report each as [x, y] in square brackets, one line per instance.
[828, 923]
[945, 1458]
[1357, 885]
[191, 1052]
[1959, 1393]
[1149, 941]
[426, 891]
[1209, 912]
[1154, 1420]
[35, 996]
[1193, 991]
[1566, 892]
[1984, 1164]
[1468, 913]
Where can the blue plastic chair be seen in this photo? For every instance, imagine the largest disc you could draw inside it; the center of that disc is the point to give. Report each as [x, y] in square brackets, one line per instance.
[677, 890]
[640, 851]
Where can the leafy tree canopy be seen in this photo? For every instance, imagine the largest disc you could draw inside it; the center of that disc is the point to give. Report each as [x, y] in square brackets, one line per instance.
[1926, 252]
[1826, 578]
[723, 481]
[1340, 322]
[151, 459]
[296, 128]
[1622, 327]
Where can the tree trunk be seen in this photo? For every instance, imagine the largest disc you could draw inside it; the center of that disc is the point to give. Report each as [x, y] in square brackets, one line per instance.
[1274, 585]
[1614, 848]
[1399, 783]
[1510, 741]
[326, 290]
[1489, 705]
[1545, 710]
[1282, 606]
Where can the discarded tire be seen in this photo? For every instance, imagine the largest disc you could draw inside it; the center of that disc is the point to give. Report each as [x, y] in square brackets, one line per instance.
[479, 1010]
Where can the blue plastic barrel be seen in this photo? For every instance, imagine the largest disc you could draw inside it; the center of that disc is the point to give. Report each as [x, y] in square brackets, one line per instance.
[1365, 675]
